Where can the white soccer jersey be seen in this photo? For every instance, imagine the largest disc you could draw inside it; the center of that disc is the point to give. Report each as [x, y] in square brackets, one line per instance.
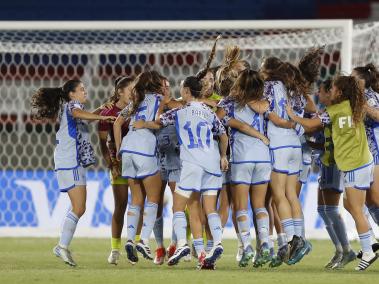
[141, 141]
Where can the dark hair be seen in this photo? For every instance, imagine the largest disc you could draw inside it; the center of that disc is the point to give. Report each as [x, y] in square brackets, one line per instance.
[352, 89]
[194, 85]
[370, 75]
[120, 83]
[310, 63]
[269, 66]
[248, 87]
[46, 102]
[146, 82]
[201, 74]
[327, 84]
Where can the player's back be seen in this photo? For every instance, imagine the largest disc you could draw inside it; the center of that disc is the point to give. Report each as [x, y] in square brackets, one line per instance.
[245, 147]
[142, 141]
[194, 124]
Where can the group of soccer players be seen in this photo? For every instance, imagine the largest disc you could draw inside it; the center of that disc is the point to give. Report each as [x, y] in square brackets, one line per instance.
[235, 135]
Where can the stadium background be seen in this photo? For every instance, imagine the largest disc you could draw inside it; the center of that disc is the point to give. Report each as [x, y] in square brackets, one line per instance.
[29, 201]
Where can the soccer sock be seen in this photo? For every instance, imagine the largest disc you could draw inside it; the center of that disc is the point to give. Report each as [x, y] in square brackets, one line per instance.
[199, 245]
[329, 226]
[180, 227]
[338, 225]
[240, 244]
[372, 235]
[132, 221]
[374, 212]
[282, 240]
[271, 245]
[209, 246]
[158, 232]
[214, 222]
[68, 229]
[288, 227]
[365, 240]
[263, 225]
[173, 236]
[243, 227]
[116, 243]
[150, 215]
[298, 227]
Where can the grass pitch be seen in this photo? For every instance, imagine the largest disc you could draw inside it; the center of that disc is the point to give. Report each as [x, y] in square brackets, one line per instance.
[30, 260]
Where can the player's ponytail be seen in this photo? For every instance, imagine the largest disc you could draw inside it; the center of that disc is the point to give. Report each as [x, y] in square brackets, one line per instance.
[352, 89]
[46, 102]
[248, 87]
[370, 75]
[201, 74]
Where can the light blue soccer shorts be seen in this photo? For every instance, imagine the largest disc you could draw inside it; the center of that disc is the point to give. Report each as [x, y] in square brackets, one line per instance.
[250, 173]
[193, 178]
[137, 166]
[331, 178]
[286, 160]
[68, 179]
[360, 178]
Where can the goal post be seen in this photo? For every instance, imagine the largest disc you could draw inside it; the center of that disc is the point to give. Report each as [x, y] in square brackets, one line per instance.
[45, 54]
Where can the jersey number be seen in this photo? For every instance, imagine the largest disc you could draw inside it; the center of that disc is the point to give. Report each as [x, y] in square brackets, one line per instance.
[198, 143]
[140, 115]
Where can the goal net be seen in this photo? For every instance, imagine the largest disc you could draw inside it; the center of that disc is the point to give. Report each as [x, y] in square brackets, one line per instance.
[46, 54]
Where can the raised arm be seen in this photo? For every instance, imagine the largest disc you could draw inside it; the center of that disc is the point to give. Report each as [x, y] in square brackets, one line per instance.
[85, 115]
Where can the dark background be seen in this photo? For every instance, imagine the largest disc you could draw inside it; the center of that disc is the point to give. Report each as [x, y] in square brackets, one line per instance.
[186, 10]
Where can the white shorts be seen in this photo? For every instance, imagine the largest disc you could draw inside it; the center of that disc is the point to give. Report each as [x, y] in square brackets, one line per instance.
[251, 173]
[194, 178]
[68, 179]
[331, 178]
[170, 175]
[360, 178]
[304, 172]
[138, 166]
[286, 160]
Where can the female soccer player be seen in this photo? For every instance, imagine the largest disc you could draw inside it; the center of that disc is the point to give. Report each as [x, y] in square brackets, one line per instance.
[73, 152]
[250, 164]
[331, 184]
[285, 85]
[202, 162]
[120, 99]
[370, 76]
[352, 154]
[139, 160]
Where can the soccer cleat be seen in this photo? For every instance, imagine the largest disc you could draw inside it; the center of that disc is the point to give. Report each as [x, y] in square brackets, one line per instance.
[366, 261]
[337, 257]
[247, 255]
[375, 248]
[263, 256]
[64, 254]
[346, 258]
[144, 250]
[282, 256]
[299, 249]
[239, 253]
[114, 257]
[131, 253]
[180, 252]
[160, 254]
[171, 250]
[213, 255]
